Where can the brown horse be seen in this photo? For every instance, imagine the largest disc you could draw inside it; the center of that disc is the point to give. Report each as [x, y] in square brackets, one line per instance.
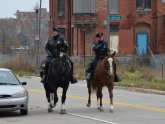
[103, 76]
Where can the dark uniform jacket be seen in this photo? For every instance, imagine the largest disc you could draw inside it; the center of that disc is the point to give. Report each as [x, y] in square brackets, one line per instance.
[101, 49]
[55, 45]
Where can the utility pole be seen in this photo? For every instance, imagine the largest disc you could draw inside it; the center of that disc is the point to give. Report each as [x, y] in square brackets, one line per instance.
[69, 27]
[38, 35]
[37, 41]
[3, 41]
[39, 32]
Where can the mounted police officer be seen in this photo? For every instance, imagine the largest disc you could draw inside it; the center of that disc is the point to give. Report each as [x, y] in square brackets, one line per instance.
[54, 46]
[101, 49]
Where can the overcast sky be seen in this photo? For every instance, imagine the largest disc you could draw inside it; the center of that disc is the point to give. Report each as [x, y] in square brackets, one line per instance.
[9, 7]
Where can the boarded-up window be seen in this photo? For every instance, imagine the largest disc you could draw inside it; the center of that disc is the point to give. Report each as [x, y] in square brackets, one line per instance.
[61, 8]
[84, 6]
[114, 6]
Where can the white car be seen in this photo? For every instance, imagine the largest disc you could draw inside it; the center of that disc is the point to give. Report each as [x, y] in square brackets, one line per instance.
[13, 96]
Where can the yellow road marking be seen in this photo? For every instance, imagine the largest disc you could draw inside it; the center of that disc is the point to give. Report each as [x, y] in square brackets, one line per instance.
[107, 102]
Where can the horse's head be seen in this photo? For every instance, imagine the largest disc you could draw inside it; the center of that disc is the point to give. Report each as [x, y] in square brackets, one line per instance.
[61, 63]
[110, 63]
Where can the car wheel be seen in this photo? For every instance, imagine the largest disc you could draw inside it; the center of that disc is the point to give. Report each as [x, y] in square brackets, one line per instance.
[23, 111]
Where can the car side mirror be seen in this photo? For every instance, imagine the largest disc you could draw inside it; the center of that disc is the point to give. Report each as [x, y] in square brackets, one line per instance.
[23, 83]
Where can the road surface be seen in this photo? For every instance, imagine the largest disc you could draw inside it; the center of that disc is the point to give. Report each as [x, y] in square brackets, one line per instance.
[129, 107]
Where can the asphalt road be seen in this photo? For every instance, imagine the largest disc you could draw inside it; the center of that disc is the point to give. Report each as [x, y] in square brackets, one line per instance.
[129, 107]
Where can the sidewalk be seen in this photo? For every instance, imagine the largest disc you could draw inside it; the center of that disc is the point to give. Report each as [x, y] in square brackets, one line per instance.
[134, 89]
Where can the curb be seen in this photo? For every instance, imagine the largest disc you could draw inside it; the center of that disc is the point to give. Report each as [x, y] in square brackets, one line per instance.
[149, 91]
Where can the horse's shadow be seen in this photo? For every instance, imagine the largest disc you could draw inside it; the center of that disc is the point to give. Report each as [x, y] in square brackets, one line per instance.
[8, 114]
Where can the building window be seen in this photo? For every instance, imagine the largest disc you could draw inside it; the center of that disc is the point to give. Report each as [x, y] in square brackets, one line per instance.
[61, 8]
[84, 6]
[114, 28]
[163, 1]
[147, 4]
[113, 7]
[143, 5]
[139, 4]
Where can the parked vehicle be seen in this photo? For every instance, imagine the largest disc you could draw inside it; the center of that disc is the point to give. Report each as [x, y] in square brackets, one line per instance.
[13, 96]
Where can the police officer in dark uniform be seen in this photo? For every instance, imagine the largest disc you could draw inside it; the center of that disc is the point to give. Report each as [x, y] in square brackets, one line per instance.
[101, 50]
[54, 45]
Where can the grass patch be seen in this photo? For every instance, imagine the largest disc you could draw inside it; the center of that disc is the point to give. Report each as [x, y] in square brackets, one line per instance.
[141, 78]
[79, 71]
[132, 76]
[19, 66]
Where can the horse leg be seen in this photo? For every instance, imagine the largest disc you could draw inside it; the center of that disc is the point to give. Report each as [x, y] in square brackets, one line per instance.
[55, 98]
[47, 92]
[52, 100]
[111, 98]
[48, 99]
[63, 110]
[99, 99]
[89, 93]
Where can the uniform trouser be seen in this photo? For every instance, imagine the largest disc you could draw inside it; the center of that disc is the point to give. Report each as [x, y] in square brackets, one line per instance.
[93, 64]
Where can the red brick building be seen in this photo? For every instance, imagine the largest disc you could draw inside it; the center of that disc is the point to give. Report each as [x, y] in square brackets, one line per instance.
[140, 30]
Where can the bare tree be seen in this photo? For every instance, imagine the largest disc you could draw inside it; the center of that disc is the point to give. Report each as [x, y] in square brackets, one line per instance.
[8, 38]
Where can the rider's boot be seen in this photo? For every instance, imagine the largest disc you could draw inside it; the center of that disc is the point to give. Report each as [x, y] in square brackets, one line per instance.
[73, 80]
[117, 78]
[88, 76]
[43, 80]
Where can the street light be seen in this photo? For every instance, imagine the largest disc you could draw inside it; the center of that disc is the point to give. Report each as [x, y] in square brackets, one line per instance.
[37, 38]
[37, 34]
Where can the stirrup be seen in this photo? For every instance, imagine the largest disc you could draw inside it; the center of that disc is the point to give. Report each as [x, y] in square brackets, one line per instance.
[117, 78]
[88, 77]
[43, 80]
[73, 80]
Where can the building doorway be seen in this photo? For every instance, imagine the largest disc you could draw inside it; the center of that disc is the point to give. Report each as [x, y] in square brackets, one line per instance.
[142, 43]
[114, 42]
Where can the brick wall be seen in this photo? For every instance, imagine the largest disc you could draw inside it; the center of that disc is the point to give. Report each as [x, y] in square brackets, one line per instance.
[131, 19]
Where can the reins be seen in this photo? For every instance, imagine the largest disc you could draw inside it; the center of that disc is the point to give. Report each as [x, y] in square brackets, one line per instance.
[107, 69]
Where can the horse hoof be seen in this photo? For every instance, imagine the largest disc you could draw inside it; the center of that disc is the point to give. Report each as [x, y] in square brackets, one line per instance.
[63, 111]
[88, 105]
[100, 109]
[111, 110]
[50, 110]
[52, 105]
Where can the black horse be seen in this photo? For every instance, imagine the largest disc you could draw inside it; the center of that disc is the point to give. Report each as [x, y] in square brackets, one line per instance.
[59, 74]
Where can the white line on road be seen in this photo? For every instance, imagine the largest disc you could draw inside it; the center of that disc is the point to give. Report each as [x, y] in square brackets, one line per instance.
[95, 119]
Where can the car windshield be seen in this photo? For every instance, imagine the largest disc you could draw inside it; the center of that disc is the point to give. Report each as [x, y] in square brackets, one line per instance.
[8, 78]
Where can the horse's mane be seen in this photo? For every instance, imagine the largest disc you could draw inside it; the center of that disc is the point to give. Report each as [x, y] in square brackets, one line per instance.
[59, 71]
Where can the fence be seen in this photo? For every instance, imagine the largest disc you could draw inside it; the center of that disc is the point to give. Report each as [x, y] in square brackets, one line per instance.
[157, 65]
